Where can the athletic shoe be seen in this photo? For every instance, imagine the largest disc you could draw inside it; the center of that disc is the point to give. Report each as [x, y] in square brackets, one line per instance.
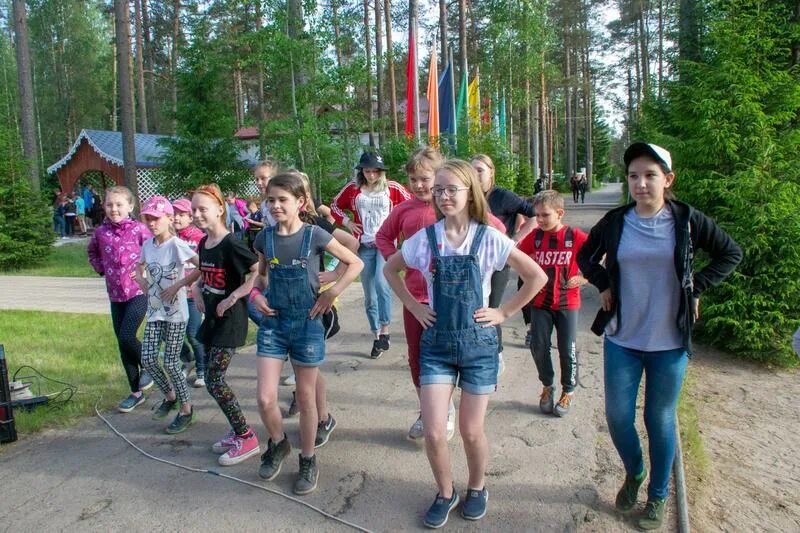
[289, 380]
[181, 422]
[653, 515]
[377, 349]
[272, 459]
[243, 448]
[451, 422]
[324, 430]
[437, 515]
[475, 502]
[546, 401]
[130, 403]
[417, 430]
[307, 478]
[629, 493]
[199, 382]
[145, 381]
[383, 338]
[501, 365]
[564, 403]
[225, 443]
[185, 370]
[162, 411]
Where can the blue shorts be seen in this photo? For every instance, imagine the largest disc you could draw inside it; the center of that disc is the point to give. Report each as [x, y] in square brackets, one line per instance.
[466, 358]
[302, 340]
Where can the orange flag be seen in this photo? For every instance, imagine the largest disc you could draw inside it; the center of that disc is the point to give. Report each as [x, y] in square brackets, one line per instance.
[433, 100]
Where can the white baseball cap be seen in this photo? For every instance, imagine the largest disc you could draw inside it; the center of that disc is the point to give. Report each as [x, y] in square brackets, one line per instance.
[653, 151]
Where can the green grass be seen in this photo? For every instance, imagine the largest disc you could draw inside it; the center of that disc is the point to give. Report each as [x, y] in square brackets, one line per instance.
[696, 462]
[79, 349]
[69, 260]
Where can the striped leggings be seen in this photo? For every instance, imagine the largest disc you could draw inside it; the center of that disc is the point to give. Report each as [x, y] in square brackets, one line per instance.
[172, 335]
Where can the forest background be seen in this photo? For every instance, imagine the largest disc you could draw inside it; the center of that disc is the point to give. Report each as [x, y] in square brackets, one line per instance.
[714, 81]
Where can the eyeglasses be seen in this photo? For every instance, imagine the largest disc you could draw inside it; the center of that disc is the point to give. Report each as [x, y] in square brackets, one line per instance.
[449, 191]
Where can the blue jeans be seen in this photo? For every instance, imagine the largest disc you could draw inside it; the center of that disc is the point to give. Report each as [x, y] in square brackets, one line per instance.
[302, 339]
[377, 293]
[664, 372]
[198, 349]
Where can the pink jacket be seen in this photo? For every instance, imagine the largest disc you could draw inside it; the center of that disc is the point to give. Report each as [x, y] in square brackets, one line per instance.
[114, 251]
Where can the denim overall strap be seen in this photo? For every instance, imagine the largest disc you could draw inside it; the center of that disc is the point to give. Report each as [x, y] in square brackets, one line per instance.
[457, 289]
[305, 248]
[269, 244]
[431, 233]
[290, 292]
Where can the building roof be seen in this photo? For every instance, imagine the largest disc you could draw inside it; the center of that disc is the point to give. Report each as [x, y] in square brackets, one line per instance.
[149, 153]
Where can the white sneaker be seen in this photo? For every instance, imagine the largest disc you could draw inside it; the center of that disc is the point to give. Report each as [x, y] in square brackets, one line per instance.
[199, 383]
[451, 422]
[289, 380]
[501, 365]
[417, 430]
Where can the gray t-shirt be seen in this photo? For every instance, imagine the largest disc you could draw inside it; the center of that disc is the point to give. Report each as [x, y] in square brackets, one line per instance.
[649, 289]
[287, 250]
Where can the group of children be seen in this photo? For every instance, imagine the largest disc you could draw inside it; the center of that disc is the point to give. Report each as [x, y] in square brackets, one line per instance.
[452, 245]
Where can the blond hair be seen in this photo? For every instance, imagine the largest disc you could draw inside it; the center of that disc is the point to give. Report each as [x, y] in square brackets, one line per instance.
[307, 186]
[549, 198]
[486, 160]
[269, 163]
[424, 157]
[478, 208]
[122, 190]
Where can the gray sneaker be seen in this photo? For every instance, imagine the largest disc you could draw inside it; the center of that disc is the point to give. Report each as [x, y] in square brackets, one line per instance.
[417, 430]
[307, 478]
[272, 459]
[181, 423]
[324, 430]
[546, 400]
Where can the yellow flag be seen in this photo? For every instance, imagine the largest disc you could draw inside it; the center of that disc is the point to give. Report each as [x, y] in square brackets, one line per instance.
[474, 103]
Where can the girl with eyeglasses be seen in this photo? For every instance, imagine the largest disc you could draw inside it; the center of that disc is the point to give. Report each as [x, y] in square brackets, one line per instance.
[457, 256]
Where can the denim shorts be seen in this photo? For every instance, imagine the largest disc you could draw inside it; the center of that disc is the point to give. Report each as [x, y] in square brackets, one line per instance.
[302, 340]
[466, 358]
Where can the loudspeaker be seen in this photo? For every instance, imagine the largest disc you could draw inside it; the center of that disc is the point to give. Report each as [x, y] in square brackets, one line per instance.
[8, 432]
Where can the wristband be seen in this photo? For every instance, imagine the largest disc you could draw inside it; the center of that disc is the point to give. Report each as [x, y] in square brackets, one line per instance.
[253, 293]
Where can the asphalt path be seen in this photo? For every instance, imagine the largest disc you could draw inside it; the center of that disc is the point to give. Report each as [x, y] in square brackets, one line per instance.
[544, 473]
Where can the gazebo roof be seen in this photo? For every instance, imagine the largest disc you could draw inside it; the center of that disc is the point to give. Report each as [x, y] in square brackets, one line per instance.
[108, 145]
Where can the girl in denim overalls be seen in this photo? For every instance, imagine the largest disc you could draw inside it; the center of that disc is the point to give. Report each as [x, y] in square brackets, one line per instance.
[457, 257]
[292, 326]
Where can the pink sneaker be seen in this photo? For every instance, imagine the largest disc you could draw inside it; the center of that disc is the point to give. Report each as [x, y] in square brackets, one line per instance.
[225, 443]
[243, 448]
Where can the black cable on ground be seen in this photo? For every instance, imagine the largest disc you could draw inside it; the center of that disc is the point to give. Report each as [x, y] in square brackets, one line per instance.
[226, 476]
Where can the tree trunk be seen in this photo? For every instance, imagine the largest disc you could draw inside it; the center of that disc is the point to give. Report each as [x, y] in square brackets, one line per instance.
[142, 101]
[661, 47]
[368, 48]
[379, 66]
[294, 30]
[25, 83]
[543, 121]
[569, 147]
[462, 37]
[443, 32]
[337, 33]
[387, 15]
[176, 36]
[122, 30]
[262, 148]
[150, 77]
[644, 44]
[689, 30]
[114, 78]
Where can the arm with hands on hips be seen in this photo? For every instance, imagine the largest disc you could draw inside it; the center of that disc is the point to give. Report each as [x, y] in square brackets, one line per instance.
[349, 242]
[354, 265]
[259, 284]
[533, 279]
[241, 291]
[424, 314]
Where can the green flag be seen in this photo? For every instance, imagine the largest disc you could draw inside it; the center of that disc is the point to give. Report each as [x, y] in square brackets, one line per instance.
[461, 106]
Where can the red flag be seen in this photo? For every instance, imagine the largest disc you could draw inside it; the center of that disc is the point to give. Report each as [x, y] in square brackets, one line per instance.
[411, 79]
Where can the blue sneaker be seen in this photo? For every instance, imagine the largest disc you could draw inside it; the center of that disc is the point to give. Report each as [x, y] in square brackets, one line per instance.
[130, 403]
[145, 381]
[437, 515]
[474, 506]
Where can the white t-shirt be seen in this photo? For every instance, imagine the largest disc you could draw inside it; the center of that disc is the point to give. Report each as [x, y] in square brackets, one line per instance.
[373, 207]
[492, 253]
[165, 265]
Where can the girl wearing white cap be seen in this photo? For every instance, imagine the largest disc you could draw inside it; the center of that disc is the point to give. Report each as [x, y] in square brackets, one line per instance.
[160, 274]
[641, 258]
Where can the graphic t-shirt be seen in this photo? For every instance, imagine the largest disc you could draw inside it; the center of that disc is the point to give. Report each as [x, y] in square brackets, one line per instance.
[492, 254]
[287, 250]
[165, 265]
[556, 252]
[224, 268]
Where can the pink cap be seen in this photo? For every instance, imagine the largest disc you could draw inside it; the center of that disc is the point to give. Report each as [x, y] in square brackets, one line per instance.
[157, 206]
[184, 205]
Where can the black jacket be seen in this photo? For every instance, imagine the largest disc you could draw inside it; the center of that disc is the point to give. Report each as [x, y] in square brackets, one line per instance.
[693, 230]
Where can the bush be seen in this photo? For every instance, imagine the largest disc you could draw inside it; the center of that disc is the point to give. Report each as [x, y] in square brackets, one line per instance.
[26, 233]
